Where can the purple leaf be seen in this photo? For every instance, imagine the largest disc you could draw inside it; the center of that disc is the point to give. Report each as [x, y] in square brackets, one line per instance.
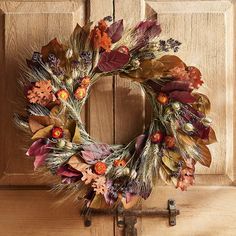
[182, 96]
[146, 30]
[177, 85]
[39, 160]
[140, 143]
[115, 31]
[95, 152]
[68, 171]
[114, 60]
[39, 149]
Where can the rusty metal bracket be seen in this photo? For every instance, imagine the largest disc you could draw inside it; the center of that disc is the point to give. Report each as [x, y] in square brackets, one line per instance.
[126, 219]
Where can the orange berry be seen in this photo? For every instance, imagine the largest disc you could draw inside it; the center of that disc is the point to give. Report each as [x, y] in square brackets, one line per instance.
[162, 98]
[170, 141]
[80, 93]
[119, 163]
[157, 137]
[100, 168]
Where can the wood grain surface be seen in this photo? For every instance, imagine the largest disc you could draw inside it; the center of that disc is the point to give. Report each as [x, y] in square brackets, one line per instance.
[118, 111]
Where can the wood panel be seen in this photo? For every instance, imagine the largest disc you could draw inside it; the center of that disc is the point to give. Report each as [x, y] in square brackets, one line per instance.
[35, 213]
[205, 29]
[101, 115]
[26, 26]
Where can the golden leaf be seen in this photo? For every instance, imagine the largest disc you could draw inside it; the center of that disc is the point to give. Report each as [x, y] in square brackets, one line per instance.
[171, 159]
[76, 137]
[164, 173]
[202, 103]
[211, 138]
[154, 68]
[195, 149]
[67, 134]
[43, 133]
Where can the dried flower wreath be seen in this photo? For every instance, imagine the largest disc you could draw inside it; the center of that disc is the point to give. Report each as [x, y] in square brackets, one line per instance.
[57, 85]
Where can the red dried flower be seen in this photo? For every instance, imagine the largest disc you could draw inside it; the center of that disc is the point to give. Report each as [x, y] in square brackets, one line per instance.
[120, 163]
[157, 137]
[57, 132]
[100, 168]
[170, 141]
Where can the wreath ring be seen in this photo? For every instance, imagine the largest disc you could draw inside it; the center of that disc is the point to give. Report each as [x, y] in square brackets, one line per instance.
[57, 84]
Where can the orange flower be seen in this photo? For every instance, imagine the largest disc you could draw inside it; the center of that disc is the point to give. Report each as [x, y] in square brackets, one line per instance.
[119, 163]
[85, 81]
[80, 93]
[100, 168]
[63, 94]
[57, 132]
[162, 98]
[157, 137]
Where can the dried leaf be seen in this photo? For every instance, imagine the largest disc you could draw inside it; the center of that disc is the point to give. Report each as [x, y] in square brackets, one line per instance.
[98, 202]
[79, 38]
[165, 173]
[195, 149]
[76, 163]
[55, 48]
[76, 137]
[177, 85]
[171, 159]
[88, 176]
[95, 152]
[114, 60]
[41, 93]
[115, 31]
[182, 96]
[202, 103]
[154, 68]
[99, 185]
[43, 133]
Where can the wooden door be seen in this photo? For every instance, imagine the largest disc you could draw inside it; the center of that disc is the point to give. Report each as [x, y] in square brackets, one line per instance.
[117, 111]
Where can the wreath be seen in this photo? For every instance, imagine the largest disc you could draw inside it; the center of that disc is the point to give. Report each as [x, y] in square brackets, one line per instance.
[57, 84]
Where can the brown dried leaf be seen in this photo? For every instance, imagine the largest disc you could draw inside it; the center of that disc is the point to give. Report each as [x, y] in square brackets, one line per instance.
[43, 133]
[54, 47]
[76, 163]
[38, 122]
[41, 93]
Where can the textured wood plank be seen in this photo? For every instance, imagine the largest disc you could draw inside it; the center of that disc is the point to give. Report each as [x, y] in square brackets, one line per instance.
[129, 99]
[203, 211]
[101, 99]
[27, 27]
[35, 213]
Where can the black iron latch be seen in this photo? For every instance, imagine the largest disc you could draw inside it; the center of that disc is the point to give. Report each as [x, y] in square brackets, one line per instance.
[126, 219]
